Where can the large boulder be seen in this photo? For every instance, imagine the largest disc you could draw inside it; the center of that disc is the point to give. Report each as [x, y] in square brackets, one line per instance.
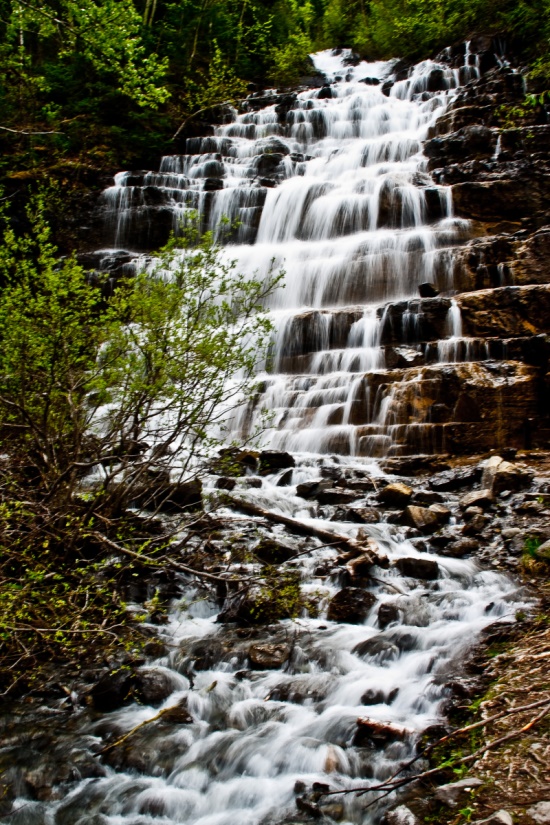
[500, 475]
[418, 568]
[456, 792]
[478, 498]
[113, 690]
[395, 495]
[427, 519]
[153, 686]
[351, 605]
[268, 656]
[273, 460]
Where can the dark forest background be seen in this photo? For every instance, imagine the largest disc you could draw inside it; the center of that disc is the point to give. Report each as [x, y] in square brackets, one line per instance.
[106, 83]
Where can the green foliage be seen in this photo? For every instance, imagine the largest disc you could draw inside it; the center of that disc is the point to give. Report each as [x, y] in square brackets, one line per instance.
[291, 61]
[279, 597]
[89, 382]
[531, 545]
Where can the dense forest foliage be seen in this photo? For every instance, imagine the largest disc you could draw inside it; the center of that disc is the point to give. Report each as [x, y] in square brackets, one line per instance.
[109, 81]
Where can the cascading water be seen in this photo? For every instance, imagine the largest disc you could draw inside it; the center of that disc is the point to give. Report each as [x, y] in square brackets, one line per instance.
[339, 195]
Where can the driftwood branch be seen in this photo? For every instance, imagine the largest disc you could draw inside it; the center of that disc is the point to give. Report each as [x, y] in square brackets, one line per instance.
[368, 548]
[23, 132]
[164, 561]
[131, 732]
[199, 112]
[393, 783]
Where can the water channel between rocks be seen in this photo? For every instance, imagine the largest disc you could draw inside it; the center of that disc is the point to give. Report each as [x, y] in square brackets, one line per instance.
[347, 207]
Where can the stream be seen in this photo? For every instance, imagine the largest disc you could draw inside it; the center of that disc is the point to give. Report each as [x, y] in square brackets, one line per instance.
[340, 197]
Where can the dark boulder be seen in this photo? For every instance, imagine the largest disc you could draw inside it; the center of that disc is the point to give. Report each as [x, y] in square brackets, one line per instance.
[153, 686]
[273, 552]
[387, 614]
[113, 690]
[272, 460]
[351, 605]
[418, 568]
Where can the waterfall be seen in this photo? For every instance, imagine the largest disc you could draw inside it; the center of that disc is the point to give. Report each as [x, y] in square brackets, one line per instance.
[332, 185]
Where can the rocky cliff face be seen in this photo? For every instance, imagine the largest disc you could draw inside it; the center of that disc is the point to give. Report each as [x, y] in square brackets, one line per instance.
[500, 178]
[465, 364]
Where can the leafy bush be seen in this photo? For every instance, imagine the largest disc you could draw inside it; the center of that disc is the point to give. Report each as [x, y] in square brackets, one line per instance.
[106, 400]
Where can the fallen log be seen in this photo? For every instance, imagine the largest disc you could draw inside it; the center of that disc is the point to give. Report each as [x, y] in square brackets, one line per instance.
[367, 548]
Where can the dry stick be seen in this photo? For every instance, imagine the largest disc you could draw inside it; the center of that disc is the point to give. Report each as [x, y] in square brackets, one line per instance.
[23, 132]
[200, 111]
[126, 736]
[389, 783]
[202, 574]
[309, 530]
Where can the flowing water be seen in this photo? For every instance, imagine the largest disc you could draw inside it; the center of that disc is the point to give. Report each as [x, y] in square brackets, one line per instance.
[339, 196]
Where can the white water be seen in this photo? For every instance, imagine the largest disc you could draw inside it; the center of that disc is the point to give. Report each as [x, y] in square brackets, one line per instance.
[349, 220]
[255, 733]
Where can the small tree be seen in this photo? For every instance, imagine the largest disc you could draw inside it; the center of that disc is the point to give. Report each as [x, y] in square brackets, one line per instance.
[105, 403]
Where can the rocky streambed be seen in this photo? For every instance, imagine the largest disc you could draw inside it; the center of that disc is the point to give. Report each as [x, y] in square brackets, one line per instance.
[225, 714]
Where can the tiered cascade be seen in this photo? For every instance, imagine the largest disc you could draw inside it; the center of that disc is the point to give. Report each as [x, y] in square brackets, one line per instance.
[331, 184]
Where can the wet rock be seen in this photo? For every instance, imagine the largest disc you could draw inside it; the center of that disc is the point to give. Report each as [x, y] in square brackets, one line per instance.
[268, 656]
[371, 734]
[387, 613]
[427, 497]
[311, 489]
[177, 714]
[476, 524]
[395, 495]
[540, 812]
[273, 460]
[357, 515]
[155, 649]
[253, 483]
[428, 291]
[286, 479]
[469, 142]
[415, 465]
[399, 816]
[370, 81]
[212, 184]
[418, 568]
[205, 654]
[368, 515]
[379, 647]
[152, 687]
[427, 519]
[225, 483]
[461, 548]
[273, 552]
[456, 792]
[455, 479]
[237, 462]
[500, 475]
[334, 496]
[372, 696]
[478, 498]
[113, 690]
[325, 93]
[351, 605]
